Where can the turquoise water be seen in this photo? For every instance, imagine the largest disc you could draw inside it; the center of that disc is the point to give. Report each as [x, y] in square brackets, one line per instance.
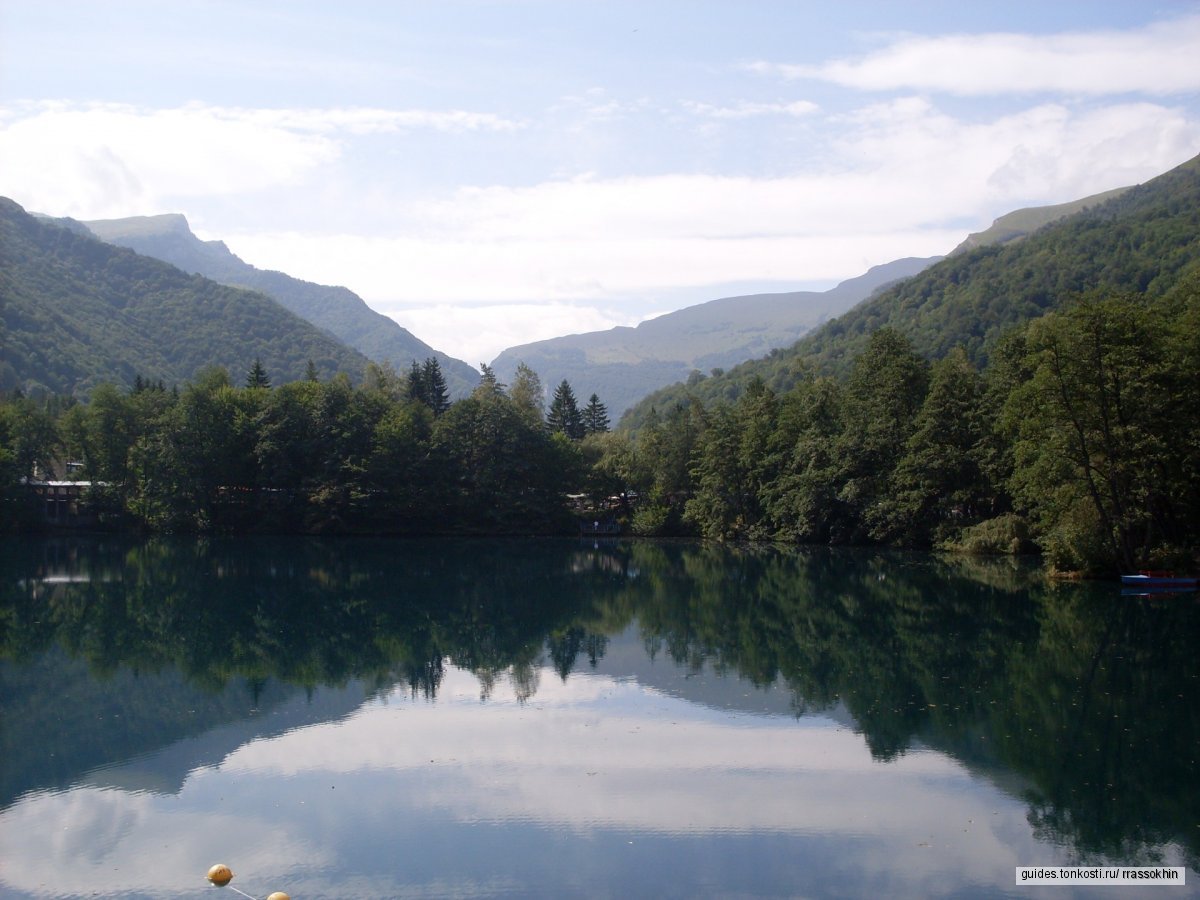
[527, 718]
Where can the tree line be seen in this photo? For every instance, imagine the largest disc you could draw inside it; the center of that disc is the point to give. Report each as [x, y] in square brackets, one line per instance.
[1081, 438]
[390, 455]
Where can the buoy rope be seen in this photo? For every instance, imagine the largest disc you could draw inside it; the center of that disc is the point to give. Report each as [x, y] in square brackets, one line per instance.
[243, 893]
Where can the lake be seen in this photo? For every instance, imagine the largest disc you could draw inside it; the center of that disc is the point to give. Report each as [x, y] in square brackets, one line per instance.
[555, 718]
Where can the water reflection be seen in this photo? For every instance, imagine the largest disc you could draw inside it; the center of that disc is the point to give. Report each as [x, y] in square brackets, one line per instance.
[692, 698]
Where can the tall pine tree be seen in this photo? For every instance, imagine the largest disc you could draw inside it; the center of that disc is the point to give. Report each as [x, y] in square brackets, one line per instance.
[564, 412]
[257, 376]
[437, 398]
[416, 383]
[427, 385]
[595, 416]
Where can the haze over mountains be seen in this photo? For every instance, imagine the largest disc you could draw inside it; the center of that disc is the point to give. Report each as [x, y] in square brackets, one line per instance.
[624, 364]
[75, 314]
[1141, 239]
[336, 309]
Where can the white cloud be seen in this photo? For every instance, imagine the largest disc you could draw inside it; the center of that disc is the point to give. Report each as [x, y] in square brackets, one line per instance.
[89, 842]
[105, 160]
[747, 110]
[412, 272]
[471, 269]
[1158, 59]
[368, 120]
[595, 107]
[594, 758]
[910, 181]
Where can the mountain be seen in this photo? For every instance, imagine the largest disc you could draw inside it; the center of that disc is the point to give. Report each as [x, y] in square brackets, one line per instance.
[336, 309]
[75, 311]
[1017, 224]
[1141, 239]
[624, 364]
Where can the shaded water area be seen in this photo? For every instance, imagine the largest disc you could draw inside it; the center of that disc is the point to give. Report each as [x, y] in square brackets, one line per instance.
[545, 718]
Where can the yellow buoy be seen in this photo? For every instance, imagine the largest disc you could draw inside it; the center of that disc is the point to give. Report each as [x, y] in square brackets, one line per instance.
[279, 895]
[220, 875]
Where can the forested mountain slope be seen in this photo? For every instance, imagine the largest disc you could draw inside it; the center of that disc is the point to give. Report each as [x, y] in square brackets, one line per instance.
[1142, 240]
[75, 312]
[1020, 222]
[336, 309]
[624, 364]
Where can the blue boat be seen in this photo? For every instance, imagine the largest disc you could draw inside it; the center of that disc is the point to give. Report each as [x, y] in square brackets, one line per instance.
[1159, 581]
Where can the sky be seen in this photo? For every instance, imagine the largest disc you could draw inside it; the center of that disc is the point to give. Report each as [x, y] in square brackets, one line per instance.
[494, 172]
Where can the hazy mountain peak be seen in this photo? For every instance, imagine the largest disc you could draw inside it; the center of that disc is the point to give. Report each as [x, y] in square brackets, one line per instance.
[1017, 224]
[338, 310]
[624, 364]
[141, 226]
[78, 311]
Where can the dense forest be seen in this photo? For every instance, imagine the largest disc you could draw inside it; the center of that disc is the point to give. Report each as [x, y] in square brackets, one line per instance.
[391, 455]
[1082, 439]
[1036, 395]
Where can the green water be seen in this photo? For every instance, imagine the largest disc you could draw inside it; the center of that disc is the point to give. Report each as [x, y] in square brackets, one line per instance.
[527, 718]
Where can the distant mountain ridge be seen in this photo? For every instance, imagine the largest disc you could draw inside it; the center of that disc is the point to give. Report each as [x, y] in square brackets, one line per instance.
[338, 310]
[1141, 239]
[624, 364]
[1020, 222]
[75, 312]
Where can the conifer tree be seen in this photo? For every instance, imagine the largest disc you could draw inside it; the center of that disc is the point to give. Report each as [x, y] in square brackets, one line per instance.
[595, 416]
[257, 376]
[437, 398]
[564, 412]
[416, 383]
[489, 385]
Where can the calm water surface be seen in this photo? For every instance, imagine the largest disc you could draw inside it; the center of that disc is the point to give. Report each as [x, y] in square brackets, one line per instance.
[554, 719]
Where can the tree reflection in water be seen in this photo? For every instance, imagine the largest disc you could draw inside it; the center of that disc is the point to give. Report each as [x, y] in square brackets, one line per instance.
[1087, 699]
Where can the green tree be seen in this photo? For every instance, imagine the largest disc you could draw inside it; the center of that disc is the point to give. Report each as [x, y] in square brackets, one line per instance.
[528, 395]
[732, 467]
[564, 415]
[489, 386]
[1094, 434]
[416, 383]
[939, 483]
[211, 436]
[402, 468]
[802, 501]
[504, 473]
[427, 385]
[883, 395]
[437, 398]
[595, 416]
[257, 376]
[383, 380]
[661, 467]
[32, 436]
